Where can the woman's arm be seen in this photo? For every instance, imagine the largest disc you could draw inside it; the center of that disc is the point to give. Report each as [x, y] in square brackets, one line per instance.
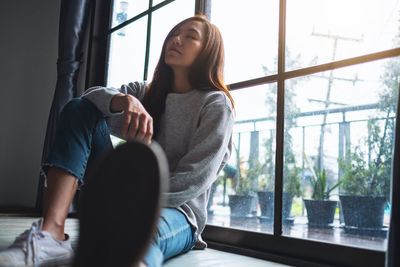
[208, 149]
[123, 110]
[137, 123]
[102, 96]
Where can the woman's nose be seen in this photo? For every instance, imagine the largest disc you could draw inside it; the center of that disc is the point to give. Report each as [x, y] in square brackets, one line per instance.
[177, 39]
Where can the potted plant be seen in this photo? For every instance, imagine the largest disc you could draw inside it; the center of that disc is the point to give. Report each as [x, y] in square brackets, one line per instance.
[265, 195]
[243, 183]
[266, 183]
[365, 185]
[364, 191]
[291, 189]
[320, 209]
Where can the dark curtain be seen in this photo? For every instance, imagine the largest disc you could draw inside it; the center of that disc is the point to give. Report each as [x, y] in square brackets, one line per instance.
[74, 17]
[393, 251]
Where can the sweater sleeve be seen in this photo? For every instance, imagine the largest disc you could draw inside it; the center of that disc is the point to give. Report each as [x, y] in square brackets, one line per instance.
[209, 147]
[102, 96]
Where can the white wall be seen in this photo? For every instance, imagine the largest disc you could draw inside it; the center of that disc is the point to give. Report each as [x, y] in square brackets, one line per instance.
[28, 55]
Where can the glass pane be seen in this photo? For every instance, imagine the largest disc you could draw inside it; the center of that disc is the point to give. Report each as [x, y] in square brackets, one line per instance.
[127, 53]
[156, 2]
[242, 197]
[250, 32]
[127, 9]
[327, 30]
[162, 23]
[339, 128]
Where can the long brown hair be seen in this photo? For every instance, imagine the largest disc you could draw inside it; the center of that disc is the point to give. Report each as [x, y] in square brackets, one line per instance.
[206, 72]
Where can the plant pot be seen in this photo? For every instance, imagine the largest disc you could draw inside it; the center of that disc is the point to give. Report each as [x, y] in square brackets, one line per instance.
[363, 214]
[240, 205]
[266, 200]
[320, 212]
[363, 211]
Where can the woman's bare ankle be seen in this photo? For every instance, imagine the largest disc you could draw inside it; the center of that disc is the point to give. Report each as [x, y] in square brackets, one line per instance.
[57, 231]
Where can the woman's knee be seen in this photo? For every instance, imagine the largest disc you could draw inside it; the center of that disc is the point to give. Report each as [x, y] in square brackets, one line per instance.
[79, 109]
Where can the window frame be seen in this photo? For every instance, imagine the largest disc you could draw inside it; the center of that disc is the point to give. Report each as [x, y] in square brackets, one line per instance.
[274, 247]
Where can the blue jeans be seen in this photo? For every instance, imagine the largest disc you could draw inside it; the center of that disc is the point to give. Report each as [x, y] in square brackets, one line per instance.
[82, 136]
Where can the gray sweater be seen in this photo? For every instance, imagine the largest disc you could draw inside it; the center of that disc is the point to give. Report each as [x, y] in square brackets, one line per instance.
[196, 135]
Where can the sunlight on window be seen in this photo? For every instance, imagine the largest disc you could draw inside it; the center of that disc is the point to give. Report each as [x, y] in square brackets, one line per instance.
[250, 32]
[127, 54]
[319, 31]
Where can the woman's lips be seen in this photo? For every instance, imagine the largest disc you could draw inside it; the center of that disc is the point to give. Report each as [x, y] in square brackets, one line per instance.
[175, 50]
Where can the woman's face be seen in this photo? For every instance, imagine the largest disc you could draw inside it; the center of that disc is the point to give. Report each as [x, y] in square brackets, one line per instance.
[184, 45]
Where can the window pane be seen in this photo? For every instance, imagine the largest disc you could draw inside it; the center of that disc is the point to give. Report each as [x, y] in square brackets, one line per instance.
[127, 53]
[339, 126]
[241, 197]
[250, 32]
[156, 2]
[162, 23]
[127, 9]
[327, 30]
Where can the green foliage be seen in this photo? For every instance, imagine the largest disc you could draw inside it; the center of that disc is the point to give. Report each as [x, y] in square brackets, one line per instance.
[319, 182]
[362, 178]
[297, 207]
[266, 179]
[291, 181]
[319, 185]
[266, 172]
[369, 174]
[244, 183]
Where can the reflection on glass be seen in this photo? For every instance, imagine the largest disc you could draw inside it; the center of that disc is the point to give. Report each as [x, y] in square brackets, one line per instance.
[323, 31]
[339, 135]
[127, 53]
[162, 23]
[241, 196]
[127, 9]
[250, 32]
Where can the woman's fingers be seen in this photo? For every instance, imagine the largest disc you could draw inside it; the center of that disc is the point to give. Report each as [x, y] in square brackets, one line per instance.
[133, 127]
[142, 129]
[125, 125]
[138, 124]
[149, 133]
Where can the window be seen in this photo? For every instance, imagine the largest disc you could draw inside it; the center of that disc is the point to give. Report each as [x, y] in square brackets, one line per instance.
[337, 126]
[136, 36]
[315, 86]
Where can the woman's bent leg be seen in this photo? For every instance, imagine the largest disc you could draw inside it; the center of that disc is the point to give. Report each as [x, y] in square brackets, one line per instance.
[81, 136]
[174, 236]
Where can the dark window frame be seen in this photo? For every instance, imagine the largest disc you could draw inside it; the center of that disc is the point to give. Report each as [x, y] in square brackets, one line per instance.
[275, 247]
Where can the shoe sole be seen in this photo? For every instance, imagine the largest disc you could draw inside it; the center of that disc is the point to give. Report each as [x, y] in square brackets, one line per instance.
[121, 206]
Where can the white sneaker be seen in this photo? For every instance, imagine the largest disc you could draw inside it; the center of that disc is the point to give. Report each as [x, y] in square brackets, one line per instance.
[36, 248]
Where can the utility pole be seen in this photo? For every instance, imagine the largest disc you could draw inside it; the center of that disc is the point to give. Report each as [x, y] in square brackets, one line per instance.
[327, 102]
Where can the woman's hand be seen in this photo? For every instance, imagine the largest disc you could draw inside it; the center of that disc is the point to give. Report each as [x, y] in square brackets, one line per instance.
[138, 124]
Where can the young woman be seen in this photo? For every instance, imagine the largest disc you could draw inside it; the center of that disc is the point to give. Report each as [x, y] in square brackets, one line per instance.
[188, 111]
